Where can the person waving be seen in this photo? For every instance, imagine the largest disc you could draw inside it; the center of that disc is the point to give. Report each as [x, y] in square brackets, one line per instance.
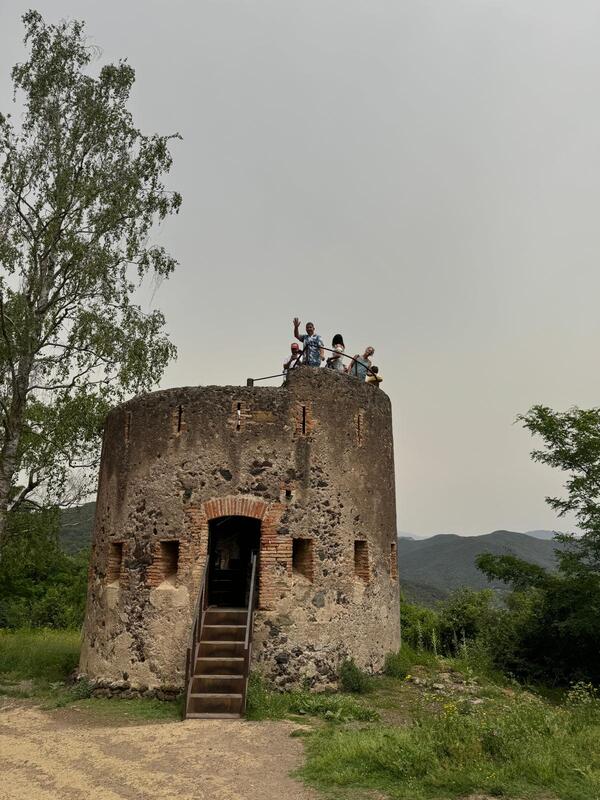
[312, 342]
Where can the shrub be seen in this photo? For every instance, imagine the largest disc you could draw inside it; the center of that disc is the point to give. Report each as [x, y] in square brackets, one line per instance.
[353, 679]
[40, 586]
[466, 615]
[400, 664]
[419, 625]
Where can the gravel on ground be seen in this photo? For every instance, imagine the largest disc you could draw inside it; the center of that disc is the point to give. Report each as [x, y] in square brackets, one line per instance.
[54, 755]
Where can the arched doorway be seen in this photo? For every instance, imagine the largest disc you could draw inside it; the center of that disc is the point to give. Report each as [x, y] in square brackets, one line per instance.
[231, 542]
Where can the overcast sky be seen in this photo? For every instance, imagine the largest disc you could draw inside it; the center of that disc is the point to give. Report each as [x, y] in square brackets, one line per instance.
[419, 176]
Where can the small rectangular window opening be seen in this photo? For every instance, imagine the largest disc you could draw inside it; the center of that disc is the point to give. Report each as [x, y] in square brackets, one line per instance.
[239, 417]
[359, 427]
[288, 494]
[169, 559]
[361, 560]
[115, 562]
[303, 420]
[393, 561]
[127, 426]
[179, 418]
[302, 558]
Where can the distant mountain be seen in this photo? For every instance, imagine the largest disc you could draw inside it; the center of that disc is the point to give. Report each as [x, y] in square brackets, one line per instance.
[432, 568]
[76, 528]
[542, 534]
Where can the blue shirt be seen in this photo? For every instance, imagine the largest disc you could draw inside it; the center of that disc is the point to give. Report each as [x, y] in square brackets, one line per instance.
[312, 345]
[359, 368]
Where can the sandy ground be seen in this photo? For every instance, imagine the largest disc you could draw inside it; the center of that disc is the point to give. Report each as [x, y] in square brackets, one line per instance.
[58, 756]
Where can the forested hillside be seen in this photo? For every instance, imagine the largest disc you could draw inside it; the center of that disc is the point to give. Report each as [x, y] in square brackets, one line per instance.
[432, 568]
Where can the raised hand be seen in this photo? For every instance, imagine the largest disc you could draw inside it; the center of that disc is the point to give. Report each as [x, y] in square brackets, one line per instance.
[296, 322]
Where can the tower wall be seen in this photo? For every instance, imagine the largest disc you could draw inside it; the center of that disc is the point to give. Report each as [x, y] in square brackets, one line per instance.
[311, 460]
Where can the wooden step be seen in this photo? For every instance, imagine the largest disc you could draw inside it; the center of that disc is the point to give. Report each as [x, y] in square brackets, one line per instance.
[215, 703]
[219, 684]
[213, 716]
[225, 616]
[218, 665]
[223, 633]
[220, 649]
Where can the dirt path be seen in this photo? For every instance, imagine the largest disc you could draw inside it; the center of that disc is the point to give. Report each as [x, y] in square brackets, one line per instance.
[54, 756]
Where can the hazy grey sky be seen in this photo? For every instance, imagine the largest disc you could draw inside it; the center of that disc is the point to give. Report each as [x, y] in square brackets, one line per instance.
[420, 176]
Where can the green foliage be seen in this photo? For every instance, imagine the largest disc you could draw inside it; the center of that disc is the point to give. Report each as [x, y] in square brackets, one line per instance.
[417, 625]
[552, 629]
[572, 444]
[263, 703]
[80, 192]
[353, 679]
[40, 586]
[526, 748]
[76, 528]
[402, 663]
[47, 655]
[463, 617]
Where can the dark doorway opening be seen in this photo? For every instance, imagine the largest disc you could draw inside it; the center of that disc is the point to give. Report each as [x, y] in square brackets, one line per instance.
[232, 540]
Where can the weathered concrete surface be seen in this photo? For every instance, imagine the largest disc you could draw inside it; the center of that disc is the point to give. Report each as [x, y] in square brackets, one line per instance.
[58, 756]
[311, 459]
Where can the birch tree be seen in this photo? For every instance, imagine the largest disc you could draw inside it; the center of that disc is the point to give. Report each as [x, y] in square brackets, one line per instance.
[80, 191]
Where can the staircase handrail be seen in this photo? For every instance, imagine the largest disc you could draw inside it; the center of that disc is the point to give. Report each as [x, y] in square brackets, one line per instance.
[299, 361]
[251, 601]
[249, 628]
[198, 620]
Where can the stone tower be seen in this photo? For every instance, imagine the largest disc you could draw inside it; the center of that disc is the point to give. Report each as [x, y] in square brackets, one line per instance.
[302, 475]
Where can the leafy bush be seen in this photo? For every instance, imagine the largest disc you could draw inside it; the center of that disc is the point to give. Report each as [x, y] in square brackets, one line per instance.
[551, 630]
[40, 586]
[466, 615]
[400, 664]
[353, 679]
[420, 626]
[330, 706]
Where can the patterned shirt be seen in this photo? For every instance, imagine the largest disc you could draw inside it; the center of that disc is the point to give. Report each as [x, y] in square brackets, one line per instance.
[312, 344]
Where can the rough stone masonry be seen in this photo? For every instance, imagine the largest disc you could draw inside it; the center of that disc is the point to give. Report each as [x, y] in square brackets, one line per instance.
[312, 461]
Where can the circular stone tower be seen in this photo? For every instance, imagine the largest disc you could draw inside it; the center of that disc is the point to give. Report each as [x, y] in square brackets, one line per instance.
[302, 475]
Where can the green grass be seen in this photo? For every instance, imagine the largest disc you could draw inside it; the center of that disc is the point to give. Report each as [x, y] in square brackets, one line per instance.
[262, 703]
[37, 663]
[136, 710]
[527, 749]
[39, 655]
[435, 744]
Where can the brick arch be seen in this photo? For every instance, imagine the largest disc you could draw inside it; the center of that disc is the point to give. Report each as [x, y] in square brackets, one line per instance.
[235, 506]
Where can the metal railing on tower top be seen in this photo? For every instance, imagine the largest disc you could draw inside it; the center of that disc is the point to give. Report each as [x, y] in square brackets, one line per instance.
[301, 359]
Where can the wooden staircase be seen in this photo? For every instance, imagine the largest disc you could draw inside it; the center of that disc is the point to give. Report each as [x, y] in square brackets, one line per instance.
[218, 659]
[217, 684]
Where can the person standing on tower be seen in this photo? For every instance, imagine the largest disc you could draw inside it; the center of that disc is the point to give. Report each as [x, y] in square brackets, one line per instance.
[335, 361]
[314, 351]
[361, 365]
[293, 359]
